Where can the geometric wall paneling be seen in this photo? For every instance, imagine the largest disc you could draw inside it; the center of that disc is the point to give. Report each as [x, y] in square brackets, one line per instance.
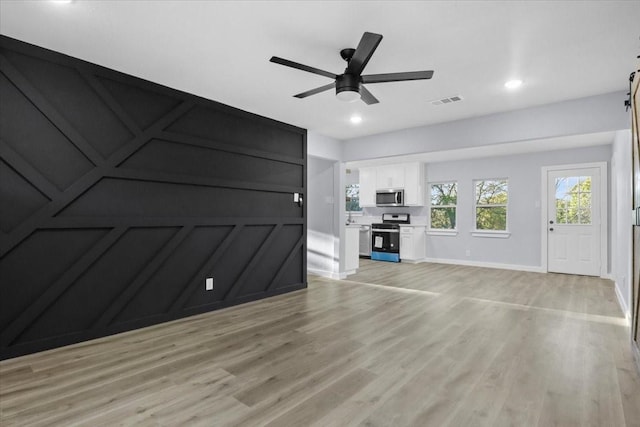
[291, 276]
[133, 198]
[69, 93]
[40, 143]
[197, 161]
[232, 264]
[31, 268]
[23, 199]
[181, 267]
[126, 195]
[259, 278]
[100, 285]
[144, 107]
[219, 125]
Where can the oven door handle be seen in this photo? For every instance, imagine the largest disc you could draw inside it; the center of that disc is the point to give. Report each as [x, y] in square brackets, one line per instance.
[378, 230]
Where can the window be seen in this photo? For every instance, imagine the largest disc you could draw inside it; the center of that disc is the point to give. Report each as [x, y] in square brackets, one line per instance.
[353, 198]
[444, 199]
[573, 200]
[491, 204]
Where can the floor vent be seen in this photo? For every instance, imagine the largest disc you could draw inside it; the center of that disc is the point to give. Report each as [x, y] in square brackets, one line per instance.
[451, 99]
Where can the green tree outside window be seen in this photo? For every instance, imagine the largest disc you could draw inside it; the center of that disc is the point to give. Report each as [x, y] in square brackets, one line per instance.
[491, 204]
[444, 200]
[353, 198]
[573, 200]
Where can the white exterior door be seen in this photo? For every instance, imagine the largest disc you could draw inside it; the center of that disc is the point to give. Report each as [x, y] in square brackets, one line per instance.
[573, 226]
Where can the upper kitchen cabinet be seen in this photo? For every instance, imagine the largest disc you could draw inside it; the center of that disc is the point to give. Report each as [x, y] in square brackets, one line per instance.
[367, 187]
[390, 177]
[414, 184]
[401, 176]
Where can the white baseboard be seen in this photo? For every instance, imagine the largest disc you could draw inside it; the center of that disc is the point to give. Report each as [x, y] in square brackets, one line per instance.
[413, 261]
[327, 274]
[622, 304]
[529, 268]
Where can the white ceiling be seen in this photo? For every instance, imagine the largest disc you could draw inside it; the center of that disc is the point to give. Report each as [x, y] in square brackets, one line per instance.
[221, 49]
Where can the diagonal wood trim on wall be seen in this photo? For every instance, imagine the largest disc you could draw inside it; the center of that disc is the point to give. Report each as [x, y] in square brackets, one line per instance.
[125, 195]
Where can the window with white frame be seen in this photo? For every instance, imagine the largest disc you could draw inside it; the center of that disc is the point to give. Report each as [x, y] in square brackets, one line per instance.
[352, 193]
[491, 197]
[443, 205]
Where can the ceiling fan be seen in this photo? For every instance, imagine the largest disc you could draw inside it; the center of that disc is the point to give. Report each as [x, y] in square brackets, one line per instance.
[349, 85]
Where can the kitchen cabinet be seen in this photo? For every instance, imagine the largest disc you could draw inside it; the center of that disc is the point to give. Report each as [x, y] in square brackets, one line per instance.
[352, 249]
[414, 185]
[406, 176]
[368, 187]
[390, 176]
[412, 243]
[365, 240]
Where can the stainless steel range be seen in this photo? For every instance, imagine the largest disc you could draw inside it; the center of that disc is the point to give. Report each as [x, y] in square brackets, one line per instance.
[385, 237]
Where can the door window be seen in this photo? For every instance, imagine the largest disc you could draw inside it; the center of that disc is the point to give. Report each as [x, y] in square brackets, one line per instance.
[573, 200]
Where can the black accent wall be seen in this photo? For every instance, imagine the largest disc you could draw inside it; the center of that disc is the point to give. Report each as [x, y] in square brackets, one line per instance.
[118, 197]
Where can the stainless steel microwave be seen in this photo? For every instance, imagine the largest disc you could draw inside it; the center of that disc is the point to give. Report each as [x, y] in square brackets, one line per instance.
[391, 197]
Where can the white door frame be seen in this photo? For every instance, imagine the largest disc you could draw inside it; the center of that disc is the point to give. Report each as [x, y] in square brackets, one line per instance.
[604, 219]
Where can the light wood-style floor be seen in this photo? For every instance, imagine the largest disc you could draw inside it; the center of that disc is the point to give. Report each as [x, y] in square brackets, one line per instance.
[395, 345]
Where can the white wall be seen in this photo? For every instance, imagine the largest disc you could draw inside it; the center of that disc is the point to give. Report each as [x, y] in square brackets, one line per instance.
[323, 146]
[599, 113]
[621, 185]
[325, 206]
[522, 249]
[322, 232]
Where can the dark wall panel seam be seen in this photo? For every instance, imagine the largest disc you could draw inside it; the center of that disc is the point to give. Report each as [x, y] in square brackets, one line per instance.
[285, 264]
[53, 292]
[176, 178]
[51, 113]
[109, 222]
[130, 292]
[212, 144]
[255, 260]
[28, 172]
[110, 102]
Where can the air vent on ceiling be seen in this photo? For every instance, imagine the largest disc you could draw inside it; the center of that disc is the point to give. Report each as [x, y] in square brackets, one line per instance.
[449, 100]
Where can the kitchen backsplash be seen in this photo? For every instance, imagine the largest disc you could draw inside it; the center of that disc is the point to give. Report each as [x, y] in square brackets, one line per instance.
[371, 215]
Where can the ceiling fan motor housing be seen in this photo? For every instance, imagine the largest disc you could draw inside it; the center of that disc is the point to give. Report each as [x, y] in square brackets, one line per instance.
[347, 83]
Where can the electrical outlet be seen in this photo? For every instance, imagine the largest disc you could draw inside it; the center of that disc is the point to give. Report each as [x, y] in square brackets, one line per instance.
[468, 252]
[208, 284]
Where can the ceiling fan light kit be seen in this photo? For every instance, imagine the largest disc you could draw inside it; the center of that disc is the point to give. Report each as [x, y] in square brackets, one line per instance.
[349, 85]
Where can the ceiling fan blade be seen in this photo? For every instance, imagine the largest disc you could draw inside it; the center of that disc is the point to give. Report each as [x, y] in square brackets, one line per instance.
[368, 44]
[397, 77]
[367, 97]
[316, 90]
[302, 67]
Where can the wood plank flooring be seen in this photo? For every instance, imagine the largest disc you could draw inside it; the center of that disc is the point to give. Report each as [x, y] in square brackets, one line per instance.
[395, 345]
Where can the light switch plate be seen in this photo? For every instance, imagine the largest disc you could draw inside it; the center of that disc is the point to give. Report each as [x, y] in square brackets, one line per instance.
[208, 284]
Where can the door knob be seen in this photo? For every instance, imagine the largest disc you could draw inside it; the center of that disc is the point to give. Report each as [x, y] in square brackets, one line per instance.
[551, 222]
[551, 229]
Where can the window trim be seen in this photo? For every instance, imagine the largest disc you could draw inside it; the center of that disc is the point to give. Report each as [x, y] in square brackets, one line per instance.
[442, 231]
[476, 232]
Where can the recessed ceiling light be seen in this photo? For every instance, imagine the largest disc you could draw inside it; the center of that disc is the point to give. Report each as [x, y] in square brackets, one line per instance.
[355, 119]
[513, 84]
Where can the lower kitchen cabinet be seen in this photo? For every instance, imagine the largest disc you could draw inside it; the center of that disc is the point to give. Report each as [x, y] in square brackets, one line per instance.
[412, 243]
[352, 249]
